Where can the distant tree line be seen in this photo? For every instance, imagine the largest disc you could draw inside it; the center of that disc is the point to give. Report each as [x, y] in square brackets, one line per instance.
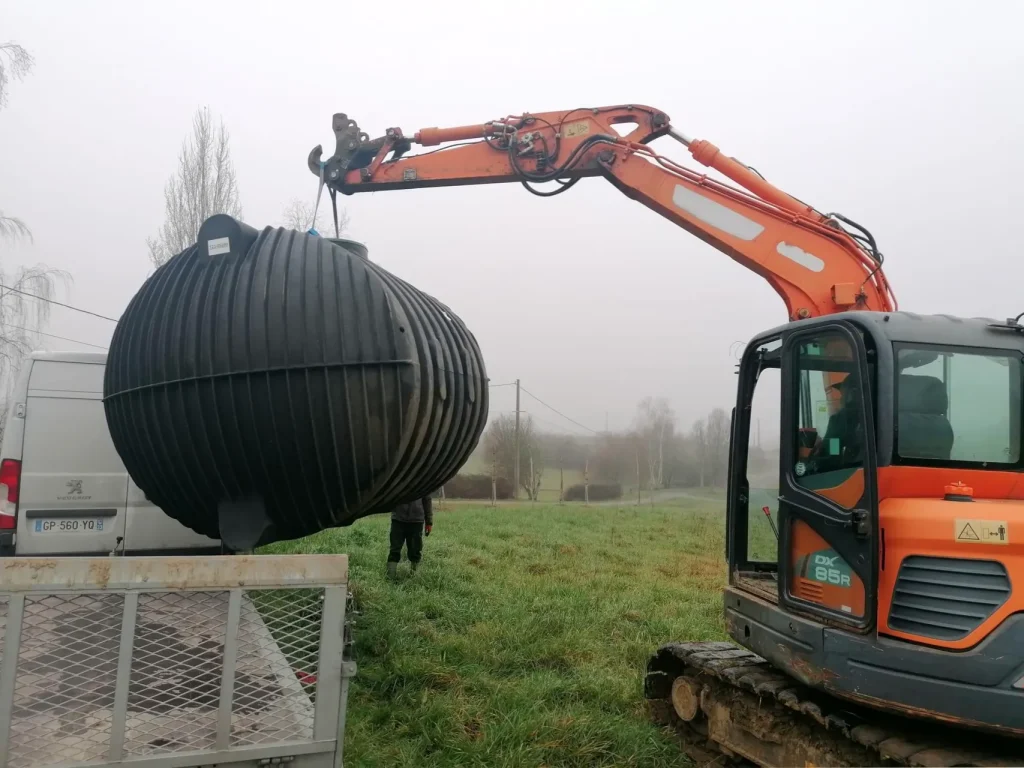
[653, 452]
[656, 454]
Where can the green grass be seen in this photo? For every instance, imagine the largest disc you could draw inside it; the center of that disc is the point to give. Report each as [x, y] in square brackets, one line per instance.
[522, 640]
[761, 541]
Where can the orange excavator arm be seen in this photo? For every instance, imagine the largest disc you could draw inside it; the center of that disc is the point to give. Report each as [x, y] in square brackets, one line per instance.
[819, 264]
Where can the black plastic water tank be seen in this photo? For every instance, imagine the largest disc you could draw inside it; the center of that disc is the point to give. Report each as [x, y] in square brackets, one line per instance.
[268, 385]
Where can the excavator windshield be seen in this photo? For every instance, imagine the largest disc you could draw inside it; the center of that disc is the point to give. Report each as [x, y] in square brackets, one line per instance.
[957, 406]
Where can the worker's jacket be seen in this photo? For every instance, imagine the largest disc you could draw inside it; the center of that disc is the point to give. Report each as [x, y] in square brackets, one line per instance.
[419, 511]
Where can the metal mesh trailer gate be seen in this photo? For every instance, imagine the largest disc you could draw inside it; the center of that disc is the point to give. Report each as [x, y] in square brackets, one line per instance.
[173, 662]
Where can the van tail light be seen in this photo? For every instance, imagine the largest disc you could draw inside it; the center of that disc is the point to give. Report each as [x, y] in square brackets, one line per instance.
[10, 482]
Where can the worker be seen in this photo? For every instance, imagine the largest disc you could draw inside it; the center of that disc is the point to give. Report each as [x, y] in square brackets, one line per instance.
[409, 523]
[844, 427]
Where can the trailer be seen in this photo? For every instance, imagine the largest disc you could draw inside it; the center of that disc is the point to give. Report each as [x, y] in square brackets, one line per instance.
[174, 662]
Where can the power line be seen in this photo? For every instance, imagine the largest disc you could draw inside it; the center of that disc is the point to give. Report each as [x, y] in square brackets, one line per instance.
[560, 427]
[55, 336]
[555, 410]
[539, 420]
[509, 384]
[58, 303]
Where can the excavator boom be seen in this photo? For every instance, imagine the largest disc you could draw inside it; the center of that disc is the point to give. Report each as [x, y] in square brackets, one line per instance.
[819, 264]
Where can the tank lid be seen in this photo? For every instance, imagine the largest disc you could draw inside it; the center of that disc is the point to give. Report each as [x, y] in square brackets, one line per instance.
[351, 246]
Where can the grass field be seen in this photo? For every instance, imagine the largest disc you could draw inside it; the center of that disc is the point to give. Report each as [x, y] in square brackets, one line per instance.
[523, 638]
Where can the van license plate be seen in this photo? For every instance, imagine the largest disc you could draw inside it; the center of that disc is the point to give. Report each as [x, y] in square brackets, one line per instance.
[69, 525]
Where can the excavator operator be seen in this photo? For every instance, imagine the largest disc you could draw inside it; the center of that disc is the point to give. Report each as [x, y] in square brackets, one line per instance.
[843, 442]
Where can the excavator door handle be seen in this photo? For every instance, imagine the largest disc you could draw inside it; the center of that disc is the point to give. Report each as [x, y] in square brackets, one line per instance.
[861, 522]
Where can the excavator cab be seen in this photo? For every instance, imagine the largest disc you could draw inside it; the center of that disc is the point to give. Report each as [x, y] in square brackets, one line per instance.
[820, 550]
[874, 536]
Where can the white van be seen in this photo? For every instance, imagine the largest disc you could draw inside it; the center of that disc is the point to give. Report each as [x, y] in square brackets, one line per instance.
[63, 488]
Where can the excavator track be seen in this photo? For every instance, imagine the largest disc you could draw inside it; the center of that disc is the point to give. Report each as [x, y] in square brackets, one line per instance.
[728, 706]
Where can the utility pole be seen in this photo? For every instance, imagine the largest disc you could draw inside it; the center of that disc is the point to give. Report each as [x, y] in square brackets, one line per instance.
[516, 491]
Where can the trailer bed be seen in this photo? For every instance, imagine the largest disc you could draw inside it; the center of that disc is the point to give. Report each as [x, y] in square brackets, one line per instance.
[173, 661]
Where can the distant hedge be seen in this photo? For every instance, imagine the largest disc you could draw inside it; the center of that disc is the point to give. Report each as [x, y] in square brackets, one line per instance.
[476, 487]
[598, 492]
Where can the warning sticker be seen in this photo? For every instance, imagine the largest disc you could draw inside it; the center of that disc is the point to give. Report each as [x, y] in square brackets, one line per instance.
[981, 531]
[580, 128]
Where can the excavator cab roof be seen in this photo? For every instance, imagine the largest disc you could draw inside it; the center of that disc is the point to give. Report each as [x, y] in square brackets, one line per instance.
[915, 328]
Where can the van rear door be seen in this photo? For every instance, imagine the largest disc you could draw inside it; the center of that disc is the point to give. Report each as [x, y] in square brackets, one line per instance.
[73, 485]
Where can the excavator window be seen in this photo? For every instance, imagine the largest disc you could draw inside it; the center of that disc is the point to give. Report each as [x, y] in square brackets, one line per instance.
[762, 466]
[830, 432]
[958, 406]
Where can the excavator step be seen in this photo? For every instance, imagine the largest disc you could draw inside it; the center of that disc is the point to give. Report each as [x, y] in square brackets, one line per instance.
[728, 706]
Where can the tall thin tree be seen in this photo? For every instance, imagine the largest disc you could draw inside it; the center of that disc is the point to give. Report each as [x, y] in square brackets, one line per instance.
[204, 184]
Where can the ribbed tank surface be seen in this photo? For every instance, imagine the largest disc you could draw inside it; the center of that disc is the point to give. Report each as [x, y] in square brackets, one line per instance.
[266, 385]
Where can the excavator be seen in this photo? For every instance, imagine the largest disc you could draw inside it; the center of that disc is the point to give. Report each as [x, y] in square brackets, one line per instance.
[878, 623]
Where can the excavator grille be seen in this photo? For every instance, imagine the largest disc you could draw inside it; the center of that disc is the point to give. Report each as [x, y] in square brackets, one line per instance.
[946, 598]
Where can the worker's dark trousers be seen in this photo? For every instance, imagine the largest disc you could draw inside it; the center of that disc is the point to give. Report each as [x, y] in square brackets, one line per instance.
[409, 534]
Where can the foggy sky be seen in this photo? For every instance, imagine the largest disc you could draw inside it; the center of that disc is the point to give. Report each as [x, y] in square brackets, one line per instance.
[905, 116]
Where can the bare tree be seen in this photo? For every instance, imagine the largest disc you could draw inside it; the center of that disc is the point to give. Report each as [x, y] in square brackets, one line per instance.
[299, 216]
[22, 317]
[718, 444]
[699, 434]
[655, 423]
[680, 461]
[12, 228]
[25, 292]
[562, 451]
[15, 63]
[613, 458]
[500, 440]
[204, 184]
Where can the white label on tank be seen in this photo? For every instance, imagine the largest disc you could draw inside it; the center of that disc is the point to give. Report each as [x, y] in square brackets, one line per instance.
[218, 246]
